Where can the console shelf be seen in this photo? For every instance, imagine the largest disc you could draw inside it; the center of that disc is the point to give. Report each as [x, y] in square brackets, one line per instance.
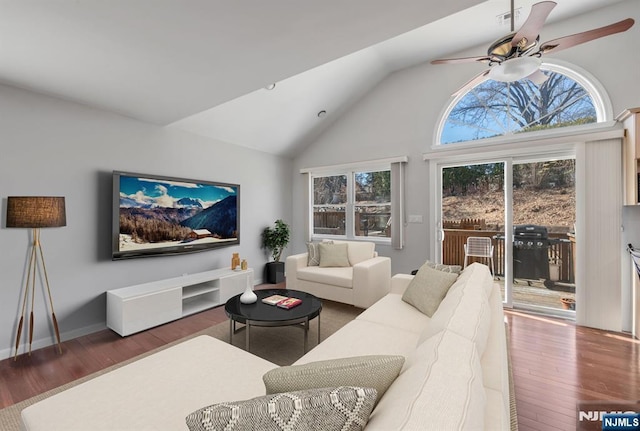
[136, 308]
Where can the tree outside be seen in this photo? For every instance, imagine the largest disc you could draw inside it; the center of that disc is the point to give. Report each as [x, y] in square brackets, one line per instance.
[497, 108]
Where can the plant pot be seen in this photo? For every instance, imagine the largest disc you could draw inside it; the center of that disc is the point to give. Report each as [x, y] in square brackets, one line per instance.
[274, 272]
[568, 303]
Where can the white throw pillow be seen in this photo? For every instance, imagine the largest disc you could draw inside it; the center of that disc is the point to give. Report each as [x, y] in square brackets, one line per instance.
[333, 255]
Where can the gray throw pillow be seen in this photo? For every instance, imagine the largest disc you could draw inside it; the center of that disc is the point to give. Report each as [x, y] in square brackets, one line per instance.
[342, 408]
[372, 371]
[333, 255]
[428, 288]
[314, 254]
[456, 269]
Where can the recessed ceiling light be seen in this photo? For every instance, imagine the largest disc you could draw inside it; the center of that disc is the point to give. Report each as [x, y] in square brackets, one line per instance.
[270, 86]
[322, 113]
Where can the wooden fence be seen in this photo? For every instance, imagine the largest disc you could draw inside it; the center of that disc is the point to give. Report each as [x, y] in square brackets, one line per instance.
[465, 223]
[366, 224]
[453, 251]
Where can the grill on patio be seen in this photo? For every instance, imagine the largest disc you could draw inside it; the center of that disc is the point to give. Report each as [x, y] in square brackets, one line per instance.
[531, 252]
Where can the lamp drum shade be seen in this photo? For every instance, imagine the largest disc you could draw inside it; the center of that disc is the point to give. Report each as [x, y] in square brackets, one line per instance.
[36, 211]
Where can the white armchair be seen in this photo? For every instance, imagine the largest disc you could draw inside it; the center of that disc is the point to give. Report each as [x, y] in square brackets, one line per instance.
[365, 281]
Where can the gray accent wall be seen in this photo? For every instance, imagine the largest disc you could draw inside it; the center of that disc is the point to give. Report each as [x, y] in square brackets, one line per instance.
[53, 147]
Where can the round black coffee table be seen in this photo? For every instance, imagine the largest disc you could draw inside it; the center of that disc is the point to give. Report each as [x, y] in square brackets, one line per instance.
[260, 314]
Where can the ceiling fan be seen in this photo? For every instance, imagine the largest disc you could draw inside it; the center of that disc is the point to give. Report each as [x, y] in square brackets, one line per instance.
[517, 55]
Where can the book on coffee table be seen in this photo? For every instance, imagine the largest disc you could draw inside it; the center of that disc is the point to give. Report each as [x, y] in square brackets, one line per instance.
[274, 299]
[289, 303]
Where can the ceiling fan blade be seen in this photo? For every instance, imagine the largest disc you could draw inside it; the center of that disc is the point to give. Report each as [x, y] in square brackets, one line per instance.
[530, 30]
[474, 81]
[481, 59]
[556, 45]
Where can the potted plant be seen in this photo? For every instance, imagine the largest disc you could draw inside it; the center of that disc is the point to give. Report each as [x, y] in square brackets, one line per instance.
[568, 303]
[275, 239]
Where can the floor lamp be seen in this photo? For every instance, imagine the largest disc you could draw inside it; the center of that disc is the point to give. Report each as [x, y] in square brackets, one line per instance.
[35, 212]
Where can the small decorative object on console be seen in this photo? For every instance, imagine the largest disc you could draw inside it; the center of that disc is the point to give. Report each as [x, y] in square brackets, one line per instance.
[289, 303]
[274, 299]
[244, 264]
[235, 260]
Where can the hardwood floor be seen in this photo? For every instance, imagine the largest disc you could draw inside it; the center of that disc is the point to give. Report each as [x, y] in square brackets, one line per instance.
[555, 363]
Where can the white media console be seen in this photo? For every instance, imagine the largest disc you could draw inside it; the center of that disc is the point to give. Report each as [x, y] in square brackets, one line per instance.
[136, 308]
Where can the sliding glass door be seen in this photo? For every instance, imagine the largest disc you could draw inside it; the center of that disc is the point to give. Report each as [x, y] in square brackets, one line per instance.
[473, 206]
[544, 212]
[529, 222]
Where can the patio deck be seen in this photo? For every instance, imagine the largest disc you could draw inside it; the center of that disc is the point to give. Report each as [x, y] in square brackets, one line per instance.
[536, 293]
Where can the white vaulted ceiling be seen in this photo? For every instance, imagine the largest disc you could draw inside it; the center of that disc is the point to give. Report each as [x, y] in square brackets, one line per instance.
[202, 65]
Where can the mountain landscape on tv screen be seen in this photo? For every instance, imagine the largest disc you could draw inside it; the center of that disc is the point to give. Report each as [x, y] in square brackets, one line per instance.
[219, 219]
[160, 221]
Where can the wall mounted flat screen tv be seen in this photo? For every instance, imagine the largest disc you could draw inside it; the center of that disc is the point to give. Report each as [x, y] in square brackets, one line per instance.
[157, 215]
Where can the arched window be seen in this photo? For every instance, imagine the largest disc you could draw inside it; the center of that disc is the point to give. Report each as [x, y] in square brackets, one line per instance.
[492, 108]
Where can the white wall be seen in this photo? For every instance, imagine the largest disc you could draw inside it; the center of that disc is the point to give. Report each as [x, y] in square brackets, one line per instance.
[52, 147]
[399, 117]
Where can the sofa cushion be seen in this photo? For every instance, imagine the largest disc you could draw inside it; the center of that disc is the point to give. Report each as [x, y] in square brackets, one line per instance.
[333, 255]
[465, 312]
[496, 416]
[371, 371]
[341, 277]
[360, 338]
[393, 312]
[440, 388]
[428, 288]
[323, 409]
[313, 254]
[359, 251]
[121, 399]
[495, 360]
[475, 276]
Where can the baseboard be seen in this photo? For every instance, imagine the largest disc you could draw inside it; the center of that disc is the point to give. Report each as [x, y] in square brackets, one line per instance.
[50, 341]
[70, 335]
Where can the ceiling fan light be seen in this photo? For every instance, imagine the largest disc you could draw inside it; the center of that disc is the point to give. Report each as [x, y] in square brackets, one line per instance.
[514, 69]
[537, 77]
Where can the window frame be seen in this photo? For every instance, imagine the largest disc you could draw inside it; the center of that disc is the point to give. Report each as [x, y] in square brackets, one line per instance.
[597, 92]
[350, 169]
[350, 205]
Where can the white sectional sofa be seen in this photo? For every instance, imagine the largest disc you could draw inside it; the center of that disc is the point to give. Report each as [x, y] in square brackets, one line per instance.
[455, 374]
[364, 280]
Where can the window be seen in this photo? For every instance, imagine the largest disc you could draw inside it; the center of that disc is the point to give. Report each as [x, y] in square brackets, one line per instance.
[329, 205]
[354, 204]
[358, 201]
[372, 213]
[492, 108]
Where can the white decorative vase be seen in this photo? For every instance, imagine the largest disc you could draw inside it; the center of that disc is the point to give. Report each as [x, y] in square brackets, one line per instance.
[248, 297]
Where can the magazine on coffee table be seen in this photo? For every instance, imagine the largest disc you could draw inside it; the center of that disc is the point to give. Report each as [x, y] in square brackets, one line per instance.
[289, 303]
[274, 299]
